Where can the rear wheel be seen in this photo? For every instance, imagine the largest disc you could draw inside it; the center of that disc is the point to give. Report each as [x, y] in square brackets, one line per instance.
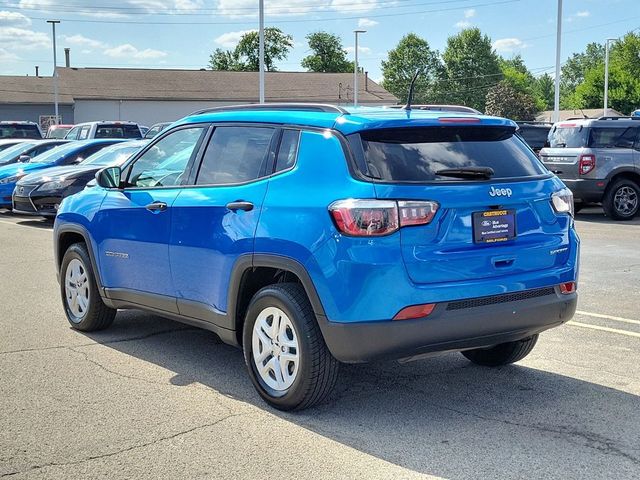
[288, 361]
[83, 305]
[622, 199]
[503, 353]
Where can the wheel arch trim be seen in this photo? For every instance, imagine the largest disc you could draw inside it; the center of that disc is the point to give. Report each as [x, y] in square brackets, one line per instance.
[84, 233]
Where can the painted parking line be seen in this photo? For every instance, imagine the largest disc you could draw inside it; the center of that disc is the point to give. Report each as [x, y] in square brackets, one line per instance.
[604, 329]
[608, 317]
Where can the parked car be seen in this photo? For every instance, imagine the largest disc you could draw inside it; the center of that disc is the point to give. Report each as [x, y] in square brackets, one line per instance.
[156, 129]
[441, 108]
[312, 235]
[599, 160]
[19, 129]
[535, 134]
[23, 151]
[40, 193]
[58, 131]
[115, 129]
[9, 142]
[67, 154]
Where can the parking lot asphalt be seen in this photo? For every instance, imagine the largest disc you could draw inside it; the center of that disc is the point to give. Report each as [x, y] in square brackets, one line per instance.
[151, 398]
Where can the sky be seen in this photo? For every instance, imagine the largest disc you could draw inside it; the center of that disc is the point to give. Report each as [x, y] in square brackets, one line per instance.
[183, 33]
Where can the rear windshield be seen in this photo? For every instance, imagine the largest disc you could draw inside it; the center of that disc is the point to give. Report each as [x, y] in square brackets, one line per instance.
[19, 131]
[536, 137]
[416, 154]
[117, 131]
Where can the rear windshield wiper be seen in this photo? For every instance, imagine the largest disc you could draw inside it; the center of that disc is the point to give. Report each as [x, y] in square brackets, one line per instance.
[467, 172]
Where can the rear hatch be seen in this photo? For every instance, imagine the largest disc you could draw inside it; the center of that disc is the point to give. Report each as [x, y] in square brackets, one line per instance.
[486, 225]
[567, 142]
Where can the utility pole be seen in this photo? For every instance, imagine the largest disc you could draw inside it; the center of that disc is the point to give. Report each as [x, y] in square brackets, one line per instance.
[606, 75]
[55, 70]
[355, 70]
[261, 51]
[556, 100]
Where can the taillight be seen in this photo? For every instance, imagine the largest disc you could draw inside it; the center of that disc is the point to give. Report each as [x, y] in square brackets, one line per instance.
[568, 288]
[375, 218]
[586, 164]
[415, 311]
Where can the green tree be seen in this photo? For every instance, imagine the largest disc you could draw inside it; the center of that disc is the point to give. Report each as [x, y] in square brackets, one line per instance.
[245, 57]
[410, 55]
[545, 88]
[472, 68]
[573, 73]
[505, 101]
[517, 75]
[327, 54]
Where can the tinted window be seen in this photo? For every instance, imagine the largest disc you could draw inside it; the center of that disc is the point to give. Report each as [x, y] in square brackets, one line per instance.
[19, 131]
[536, 137]
[570, 136]
[113, 155]
[8, 155]
[164, 162]
[56, 153]
[43, 148]
[235, 155]
[611, 137]
[416, 154]
[83, 153]
[117, 131]
[288, 150]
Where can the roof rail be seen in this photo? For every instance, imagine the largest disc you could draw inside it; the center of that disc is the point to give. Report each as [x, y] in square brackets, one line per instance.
[300, 107]
[619, 118]
[531, 122]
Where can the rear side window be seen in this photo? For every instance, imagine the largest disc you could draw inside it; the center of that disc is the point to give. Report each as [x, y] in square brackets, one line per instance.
[117, 131]
[612, 137]
[417, 154]
[235, 155]
[288, 150]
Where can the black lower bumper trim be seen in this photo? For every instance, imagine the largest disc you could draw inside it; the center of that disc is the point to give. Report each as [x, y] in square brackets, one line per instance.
[446, 330]
[586, 190]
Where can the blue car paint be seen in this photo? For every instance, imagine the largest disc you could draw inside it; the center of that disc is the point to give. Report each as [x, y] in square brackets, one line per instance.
[357, 279]
[53, 160]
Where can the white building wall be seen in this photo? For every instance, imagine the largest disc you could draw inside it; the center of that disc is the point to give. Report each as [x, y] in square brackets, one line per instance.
[143, 112]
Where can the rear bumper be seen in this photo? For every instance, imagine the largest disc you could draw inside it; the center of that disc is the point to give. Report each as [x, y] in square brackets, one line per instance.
[473, 323]
[586, 190]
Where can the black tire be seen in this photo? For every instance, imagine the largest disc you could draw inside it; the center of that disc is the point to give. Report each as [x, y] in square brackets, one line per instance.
[97, 316]
[318, 369]
[503, 353]
[577, 206]
[613, 208]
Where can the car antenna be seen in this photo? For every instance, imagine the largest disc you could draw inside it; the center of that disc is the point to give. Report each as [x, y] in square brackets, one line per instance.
[411, 85]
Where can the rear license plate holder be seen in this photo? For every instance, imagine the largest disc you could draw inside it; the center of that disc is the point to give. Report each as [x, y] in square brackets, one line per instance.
[494, 226]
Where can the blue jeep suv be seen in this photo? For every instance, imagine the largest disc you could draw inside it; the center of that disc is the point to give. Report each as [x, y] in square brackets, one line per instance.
[310, 235]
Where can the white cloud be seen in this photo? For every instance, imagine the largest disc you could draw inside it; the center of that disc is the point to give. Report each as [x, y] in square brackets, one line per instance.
[15, 19]
[469, 13]
[14, 38]
[508, 44]
[231, 39]
[365, 50]
[353, 5]
[82, 41]
[366, 22]
[463, 24]
[6, 56]
[128, 51]
[584, 13]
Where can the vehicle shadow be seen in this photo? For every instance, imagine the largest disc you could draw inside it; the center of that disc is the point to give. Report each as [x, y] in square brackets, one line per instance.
[441, 416]
[595, 214]
[28, 220]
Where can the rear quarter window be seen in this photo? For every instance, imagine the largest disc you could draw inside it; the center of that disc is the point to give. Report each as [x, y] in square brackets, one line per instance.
[417, 154]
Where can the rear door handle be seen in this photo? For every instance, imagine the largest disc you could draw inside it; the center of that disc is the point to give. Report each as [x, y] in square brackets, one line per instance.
[156, 207]
[240, 205]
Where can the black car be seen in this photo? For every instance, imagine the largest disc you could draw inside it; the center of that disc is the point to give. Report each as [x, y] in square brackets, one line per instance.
[535, 134]
[25, 151]
[40, 193]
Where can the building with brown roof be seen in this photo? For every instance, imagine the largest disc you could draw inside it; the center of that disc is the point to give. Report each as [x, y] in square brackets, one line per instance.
[148, 96]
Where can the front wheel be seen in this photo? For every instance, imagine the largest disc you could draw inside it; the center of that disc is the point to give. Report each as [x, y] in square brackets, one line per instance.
[503, 353]
[287, 358]
[622, 200]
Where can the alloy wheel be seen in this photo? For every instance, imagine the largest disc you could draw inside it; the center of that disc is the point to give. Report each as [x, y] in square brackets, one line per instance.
[76, 286]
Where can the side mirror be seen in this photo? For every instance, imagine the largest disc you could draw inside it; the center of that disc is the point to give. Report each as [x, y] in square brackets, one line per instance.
[24, 158]
[108, 177]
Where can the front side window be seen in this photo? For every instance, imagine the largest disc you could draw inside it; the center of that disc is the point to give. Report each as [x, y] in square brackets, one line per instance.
[165, 162]
[73, 133]
[235, 155]
[84, 132]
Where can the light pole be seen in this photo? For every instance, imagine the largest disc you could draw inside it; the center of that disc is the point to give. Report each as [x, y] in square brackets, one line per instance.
[261, 51]
[606, 74]
[55, 70]
[556, 96]
[355, 70]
